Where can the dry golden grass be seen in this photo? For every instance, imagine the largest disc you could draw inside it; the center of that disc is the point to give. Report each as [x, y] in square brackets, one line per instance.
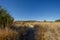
[7, 34]
[48, 31]
[45, 31]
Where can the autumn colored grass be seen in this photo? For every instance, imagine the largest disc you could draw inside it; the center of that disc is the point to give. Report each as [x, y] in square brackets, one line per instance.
[7, 34]
[48, 31]
[44, 31]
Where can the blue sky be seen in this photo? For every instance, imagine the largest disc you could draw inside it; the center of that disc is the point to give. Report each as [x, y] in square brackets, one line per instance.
[33, 9]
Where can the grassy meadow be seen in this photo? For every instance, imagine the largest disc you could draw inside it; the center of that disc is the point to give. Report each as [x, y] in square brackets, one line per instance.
[44, 31]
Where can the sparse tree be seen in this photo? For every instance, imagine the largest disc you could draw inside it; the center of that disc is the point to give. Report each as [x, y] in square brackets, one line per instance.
[57, 20]
[44, 20]
[5, 18]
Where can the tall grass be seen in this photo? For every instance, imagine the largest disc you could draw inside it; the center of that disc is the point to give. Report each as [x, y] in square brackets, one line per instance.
[48, 31]
[8, 34]
[43, 31]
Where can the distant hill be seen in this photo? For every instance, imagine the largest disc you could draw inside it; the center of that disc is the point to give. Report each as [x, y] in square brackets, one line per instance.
[28, 21]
